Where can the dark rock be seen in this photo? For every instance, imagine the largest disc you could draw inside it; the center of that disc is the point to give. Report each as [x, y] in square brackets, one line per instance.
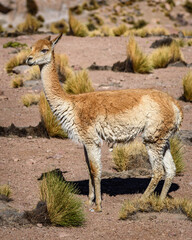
[4, 9]
[162, 42]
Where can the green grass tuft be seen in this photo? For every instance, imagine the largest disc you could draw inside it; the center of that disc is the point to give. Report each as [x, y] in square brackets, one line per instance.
[78, 83]
[139, 61]
[14, 45]
[5, 190]
[64, 208]
[187, 86]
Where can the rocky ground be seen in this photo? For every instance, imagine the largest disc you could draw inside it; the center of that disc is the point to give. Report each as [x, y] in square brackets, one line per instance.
[23, 160]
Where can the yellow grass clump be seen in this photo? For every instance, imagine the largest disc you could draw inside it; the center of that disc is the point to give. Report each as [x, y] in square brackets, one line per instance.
[158, 31]
[78, 83]
[30, 25]
[51, 124]
[76, 28]
[59, 27]
[17, 81]
[176, 147]
[140, 62]
[134, 155]
[154, 204]
[17, 60]
[96, 33]
[130, 156]
[30, 99]
[33, 73]
[163, 56]
[63, 206]
[120, 30]
[187, 86]
[107, 31]
[5, 190]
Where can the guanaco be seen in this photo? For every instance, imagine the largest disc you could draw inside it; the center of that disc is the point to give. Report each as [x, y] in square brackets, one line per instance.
[114, 116]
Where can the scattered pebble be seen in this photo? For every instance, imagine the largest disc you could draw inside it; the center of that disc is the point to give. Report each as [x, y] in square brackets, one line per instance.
[40, 225]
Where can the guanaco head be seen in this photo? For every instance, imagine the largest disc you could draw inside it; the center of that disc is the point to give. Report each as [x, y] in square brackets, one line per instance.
[42, 51]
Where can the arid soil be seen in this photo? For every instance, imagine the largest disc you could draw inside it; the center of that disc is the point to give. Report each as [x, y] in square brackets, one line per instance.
[23, 160]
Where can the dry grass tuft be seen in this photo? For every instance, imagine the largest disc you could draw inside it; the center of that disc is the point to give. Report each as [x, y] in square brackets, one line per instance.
[51, 124]
[76, 28]
[107, 31]
[130, 156]
[17, 60]
[59, 27]
[159, 31]
[187, 86]
[30, 99]
[17, 81]
[134, 155]
[33, 73]
[62, 66]
[64, 208]
[30, 25]
[154, 204]
[5, 190]
[139, 61]
[78, 83]
[163, 56]
[1, 29]
[176, 147]
[120, 30]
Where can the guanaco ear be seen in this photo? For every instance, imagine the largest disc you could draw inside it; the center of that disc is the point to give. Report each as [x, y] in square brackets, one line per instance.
[55, 41]
[48, 38]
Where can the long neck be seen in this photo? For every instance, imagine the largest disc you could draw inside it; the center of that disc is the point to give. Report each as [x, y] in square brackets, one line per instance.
[51, 85]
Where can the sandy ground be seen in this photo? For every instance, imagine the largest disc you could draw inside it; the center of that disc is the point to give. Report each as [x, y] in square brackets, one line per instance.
[22, 160]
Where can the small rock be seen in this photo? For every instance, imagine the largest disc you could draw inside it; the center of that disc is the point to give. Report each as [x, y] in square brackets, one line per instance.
[29, 137]
[16, 159]
[40, 225]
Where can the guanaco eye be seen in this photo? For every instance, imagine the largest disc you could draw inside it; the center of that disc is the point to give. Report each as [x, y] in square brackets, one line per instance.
[44, 50]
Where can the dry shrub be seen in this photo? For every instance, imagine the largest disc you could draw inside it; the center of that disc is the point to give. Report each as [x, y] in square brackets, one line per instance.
[17, 81]
[63, 206]
[51, 124]
[130, 156]
[76, 28]
[189, 43]
[188, 6]
[154, 204]
[176, 147]
[187, 33]
[134, 155]
[159, 31]
[120, 30]
[140, 62]
[163, 56]
[5, 190]
[107, 31]
[96, 33]
[59, 27]
[17, 60]
[62, 65]
[30, 25]
[187, 86]
[140, 24]
[78, 83]
[1, 29]
[30, 99]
